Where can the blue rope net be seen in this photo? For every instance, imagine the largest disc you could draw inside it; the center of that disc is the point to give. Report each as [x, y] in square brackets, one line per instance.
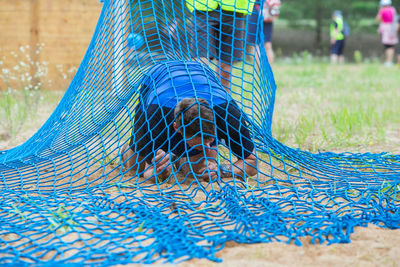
[71, 193]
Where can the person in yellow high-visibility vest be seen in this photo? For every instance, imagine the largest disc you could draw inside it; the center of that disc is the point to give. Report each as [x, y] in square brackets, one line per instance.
[337, 37]
[219, 32]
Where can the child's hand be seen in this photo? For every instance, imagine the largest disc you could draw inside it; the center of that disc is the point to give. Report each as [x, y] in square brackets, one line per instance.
[163, 164]
[208, 172]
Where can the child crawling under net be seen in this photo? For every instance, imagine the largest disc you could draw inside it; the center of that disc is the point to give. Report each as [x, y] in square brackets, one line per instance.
[183, 114]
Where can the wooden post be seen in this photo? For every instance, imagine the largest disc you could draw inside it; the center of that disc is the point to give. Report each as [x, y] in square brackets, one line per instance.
[34, 39]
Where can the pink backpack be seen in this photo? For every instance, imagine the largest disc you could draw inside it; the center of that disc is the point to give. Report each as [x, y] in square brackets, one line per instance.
[387, 14]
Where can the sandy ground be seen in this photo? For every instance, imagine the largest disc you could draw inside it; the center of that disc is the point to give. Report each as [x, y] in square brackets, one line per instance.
[370, 246]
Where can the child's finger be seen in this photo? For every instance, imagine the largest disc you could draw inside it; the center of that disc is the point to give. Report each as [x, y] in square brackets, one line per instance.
[159, 155]
[161, 167]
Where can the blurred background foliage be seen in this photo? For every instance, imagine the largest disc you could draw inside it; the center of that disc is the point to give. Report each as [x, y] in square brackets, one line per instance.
[315, 16]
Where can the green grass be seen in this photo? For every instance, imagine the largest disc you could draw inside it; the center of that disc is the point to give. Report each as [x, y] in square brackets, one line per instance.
[60, 219]
[323, 107]
[16, 107]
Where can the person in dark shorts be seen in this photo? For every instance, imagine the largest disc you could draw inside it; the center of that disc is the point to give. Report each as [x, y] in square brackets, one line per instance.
[270, 12]
[337, 37]
[184, 113]
[219, 32]
[387, 29]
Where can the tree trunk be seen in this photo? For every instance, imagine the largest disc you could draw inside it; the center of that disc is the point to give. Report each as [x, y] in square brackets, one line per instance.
[318, 29]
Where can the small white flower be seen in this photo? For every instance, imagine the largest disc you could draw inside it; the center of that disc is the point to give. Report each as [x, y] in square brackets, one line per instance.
[21, 48]
[71, 70]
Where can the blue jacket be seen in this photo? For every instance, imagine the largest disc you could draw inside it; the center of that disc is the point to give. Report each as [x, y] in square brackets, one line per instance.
[169, 82]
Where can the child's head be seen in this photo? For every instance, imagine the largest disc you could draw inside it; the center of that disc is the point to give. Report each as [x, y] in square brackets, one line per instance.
[387, 13]
[337, 14]
[385, 3]
[194, 116]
